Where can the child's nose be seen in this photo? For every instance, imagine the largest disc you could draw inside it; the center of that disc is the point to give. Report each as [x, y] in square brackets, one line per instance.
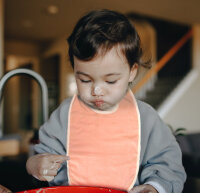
[97, 91]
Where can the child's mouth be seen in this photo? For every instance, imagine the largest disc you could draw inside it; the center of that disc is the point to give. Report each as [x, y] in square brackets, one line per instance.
[99, 103]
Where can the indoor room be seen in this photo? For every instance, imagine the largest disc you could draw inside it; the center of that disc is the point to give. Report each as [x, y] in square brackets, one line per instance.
[36, 74]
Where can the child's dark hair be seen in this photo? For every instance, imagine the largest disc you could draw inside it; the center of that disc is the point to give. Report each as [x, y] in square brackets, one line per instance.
[103, 29]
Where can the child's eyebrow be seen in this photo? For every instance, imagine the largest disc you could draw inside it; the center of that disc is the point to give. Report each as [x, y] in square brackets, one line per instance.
[110, 74]
[82, 73]
[113, 74]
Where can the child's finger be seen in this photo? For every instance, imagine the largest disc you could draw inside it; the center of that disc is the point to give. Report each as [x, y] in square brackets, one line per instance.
[48, 178]
[54, 165]
[4, 189]
[49, 172]
[145, 188]
[137, 189]
[47, 175]
[59, 158]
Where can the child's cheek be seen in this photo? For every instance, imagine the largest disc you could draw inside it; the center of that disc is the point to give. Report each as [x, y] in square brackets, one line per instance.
[84, 93]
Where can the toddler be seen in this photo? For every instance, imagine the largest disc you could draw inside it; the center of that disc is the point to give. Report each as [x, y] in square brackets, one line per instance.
[103, 136]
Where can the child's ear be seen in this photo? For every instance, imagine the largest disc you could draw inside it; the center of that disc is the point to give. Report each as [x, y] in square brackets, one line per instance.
[133, 72]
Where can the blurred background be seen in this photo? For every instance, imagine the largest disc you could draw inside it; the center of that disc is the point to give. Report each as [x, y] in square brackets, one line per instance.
[33, 36]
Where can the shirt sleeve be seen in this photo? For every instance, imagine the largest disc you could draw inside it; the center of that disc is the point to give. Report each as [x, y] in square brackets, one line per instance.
[52, 137]
[157, 186]
[49, 136]
[161, 163]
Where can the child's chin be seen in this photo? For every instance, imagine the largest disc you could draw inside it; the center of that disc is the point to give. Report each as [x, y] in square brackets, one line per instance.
[99, 108]
[104, 108]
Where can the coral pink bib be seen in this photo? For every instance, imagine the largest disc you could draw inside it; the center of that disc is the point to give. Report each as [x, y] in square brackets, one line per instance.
[104, 149]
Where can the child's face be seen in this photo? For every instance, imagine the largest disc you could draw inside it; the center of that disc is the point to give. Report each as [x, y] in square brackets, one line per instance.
[103, 81]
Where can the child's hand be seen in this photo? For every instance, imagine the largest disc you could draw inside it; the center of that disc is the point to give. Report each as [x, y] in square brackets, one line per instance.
[4, 189]
[146, 188]
[44, 167]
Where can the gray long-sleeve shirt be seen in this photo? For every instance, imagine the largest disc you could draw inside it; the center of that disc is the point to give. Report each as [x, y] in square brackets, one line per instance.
[160, 156]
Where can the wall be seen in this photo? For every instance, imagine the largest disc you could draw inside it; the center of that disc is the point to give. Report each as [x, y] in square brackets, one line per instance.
[60, 47]
[1, 51]
[196, 46]
[21, 48]
[1, 35]
[186, 110]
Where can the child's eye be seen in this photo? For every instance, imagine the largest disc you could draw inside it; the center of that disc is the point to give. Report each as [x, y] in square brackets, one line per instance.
[85, 81]
[111, 82]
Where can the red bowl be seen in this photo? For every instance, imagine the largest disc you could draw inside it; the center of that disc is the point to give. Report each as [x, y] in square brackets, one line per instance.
[72, 189]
